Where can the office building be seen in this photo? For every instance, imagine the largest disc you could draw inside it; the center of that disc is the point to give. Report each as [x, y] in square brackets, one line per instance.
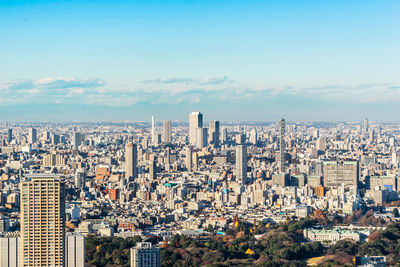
[76, 140]
[43, 221]
[366, 125]
[201, 137]
[53, 159]
[167, 132]
[74, 250]
[189, 159]
[80, 178]
[337, 173]
[224, 136]
[130, 162]
[153, 169]
[241, 163]
[10, 252]
[195, 122]
[214, 133]
[32, 137]
[9, 135]
[145, 255]
[253, 137]
[55, 139]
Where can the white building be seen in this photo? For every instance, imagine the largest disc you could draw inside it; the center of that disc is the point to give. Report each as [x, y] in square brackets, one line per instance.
[74, 250]
[10, 251]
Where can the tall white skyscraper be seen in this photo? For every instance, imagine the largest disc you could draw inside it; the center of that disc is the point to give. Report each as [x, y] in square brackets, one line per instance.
[241, 163]
[32, 136]
[153, 130]
[167, 132]
[195, 122]
[131, 162]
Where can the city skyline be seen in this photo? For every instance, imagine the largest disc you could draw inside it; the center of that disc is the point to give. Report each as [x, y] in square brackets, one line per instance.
[260, 60]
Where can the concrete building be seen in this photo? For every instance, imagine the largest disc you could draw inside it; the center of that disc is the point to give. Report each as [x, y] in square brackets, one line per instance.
[333, 235]
[145, 255]
[167, 132]
[10, 251]
[195, 122]
[9, 135]
[32, 137]
[43, 221]
[188, 159]
[53, 159]
[131, 162]
[214, 133]
[76, 140]
[337, 173]
[201, 137]
[241, 163]
[74, 250]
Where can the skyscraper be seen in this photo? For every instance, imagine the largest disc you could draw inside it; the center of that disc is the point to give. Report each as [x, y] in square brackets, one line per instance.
[167, 132]
[253, 136]
[80, 178]
[189, 159]
[214, 133]
[43, 221]
[9, 135]
[130, 162]
[10, 250]
[282, 147]
[74, 250]
[241, 163]
[201, 137]
[195, 122]
[152, 170]
[76, 140]
[366, 125]
[224, 137]
[32, 136]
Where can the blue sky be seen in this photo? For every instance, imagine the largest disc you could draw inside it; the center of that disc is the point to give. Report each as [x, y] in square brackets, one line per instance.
[233, 60]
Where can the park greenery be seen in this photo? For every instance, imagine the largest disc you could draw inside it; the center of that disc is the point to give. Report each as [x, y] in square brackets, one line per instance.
[255, 244]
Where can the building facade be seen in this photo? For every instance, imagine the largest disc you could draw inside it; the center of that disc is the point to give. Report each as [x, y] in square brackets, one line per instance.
[145, 255]
[42, 222]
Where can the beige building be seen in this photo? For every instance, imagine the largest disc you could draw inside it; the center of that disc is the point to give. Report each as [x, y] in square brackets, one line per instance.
[167, 132]
[42, 221]
[53, 160]
[337, 173]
